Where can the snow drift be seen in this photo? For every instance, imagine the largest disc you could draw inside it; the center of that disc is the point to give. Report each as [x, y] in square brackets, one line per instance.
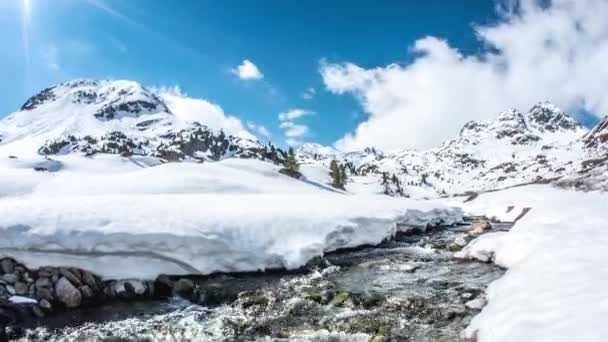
[555, 288]
[189, 218]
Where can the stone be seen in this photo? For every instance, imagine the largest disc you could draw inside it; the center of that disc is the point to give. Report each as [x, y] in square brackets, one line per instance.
[339, 299]
[38, 311]
[89, 279]
[21, 288]
[476, 304]
[43, 282]
[45, 293]
[163, 285]
[45, 305]
[479, 227]
[11, 290]
[67, 293]
[69, 275]
[378, 338]
[251, 298]
[7, 265]
[184, 288]
[10, 278]
[87, 292]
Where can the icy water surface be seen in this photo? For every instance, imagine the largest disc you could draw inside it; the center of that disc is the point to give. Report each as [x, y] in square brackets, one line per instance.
[409, 289]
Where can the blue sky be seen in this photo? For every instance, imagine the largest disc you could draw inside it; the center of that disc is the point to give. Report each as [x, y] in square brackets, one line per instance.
[194, 44]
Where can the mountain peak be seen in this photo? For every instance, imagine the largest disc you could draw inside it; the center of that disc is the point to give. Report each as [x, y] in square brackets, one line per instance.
[546, 116]
[110, 99]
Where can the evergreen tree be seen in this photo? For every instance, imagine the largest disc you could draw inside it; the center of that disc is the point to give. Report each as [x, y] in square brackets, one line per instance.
[337, 173]
[292, 168]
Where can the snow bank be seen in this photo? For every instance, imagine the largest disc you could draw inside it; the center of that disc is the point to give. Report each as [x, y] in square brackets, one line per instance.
[128, 221]
[555, 287]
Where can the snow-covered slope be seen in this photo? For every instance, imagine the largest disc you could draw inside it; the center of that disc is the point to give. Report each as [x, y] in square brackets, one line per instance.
[99, 173]
[123, 117]
[555, 286]
[541, 145]
[185, 218]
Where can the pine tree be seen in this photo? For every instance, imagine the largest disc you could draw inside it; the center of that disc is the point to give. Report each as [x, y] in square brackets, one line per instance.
[338, 176]
[292, 168]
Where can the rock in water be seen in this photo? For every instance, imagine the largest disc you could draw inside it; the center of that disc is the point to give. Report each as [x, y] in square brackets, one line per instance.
[184, 288]
[479, 227]
[67, 293]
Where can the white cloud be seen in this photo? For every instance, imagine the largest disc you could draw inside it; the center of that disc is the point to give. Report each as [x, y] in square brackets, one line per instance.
[50, 55]
[247, 71]
[309, 93]
[202, 111]
[294, 114]
[556, 53]
[293, 130]
[260, 130]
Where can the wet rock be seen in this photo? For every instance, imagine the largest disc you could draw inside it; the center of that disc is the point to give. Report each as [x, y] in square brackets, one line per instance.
[10, 278]
[313, 294]
[458, 244]
[67, 293]
[476, 304]
[479, 228]
[7, 265]
[339, 299]
[253, 298]
[45, 305]
[163, 285]
[184, 288]
[11, 290]
[37, 311]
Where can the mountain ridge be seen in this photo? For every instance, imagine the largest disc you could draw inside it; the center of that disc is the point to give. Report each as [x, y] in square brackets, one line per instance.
[90, 117]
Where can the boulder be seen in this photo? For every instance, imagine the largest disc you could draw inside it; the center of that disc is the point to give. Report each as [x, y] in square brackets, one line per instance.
[7, 265]
[9, 278]
[184, 288]
[87, 292]
[70, 275]
[21, 288]
[67, 293]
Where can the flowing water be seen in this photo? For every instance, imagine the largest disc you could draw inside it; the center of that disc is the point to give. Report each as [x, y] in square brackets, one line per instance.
[407, 289]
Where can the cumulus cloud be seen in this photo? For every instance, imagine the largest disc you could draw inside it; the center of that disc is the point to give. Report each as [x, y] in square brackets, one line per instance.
[537, 51]
[199, 110]
[291, 129]
[293, 114]
[247, 71]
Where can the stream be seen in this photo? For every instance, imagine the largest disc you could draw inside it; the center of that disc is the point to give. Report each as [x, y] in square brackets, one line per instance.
[408, 289]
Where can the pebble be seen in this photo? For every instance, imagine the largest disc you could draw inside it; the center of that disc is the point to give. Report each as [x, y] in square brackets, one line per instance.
[476, 304]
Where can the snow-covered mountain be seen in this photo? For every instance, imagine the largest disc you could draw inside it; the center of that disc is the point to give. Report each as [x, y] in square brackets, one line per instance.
[88, 118]
[516, 148]
[119, 117]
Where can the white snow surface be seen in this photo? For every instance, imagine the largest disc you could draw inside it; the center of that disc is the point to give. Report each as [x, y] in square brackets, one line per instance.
[126, 218]
[555, 286]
